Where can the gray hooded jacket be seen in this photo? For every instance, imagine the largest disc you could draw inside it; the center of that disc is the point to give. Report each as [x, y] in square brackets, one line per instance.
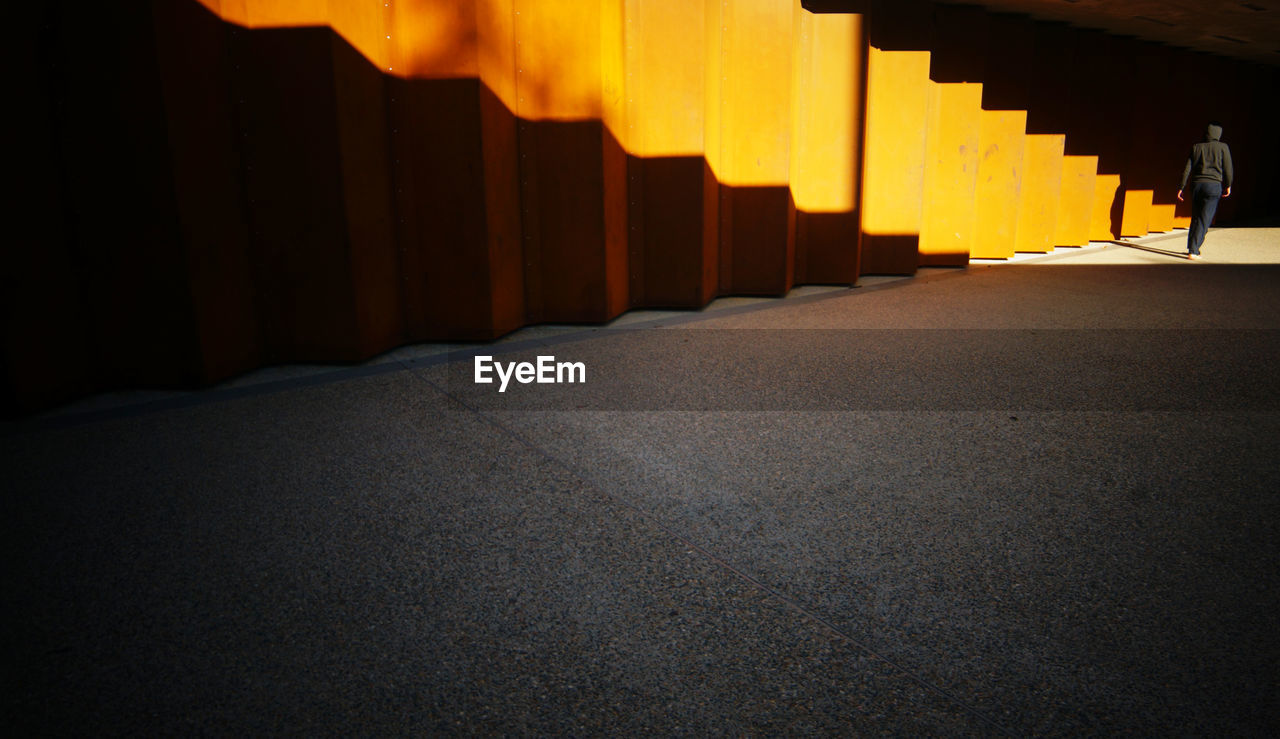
[1209, 161]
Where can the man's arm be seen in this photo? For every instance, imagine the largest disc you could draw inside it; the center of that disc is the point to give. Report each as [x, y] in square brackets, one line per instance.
[1228, 173]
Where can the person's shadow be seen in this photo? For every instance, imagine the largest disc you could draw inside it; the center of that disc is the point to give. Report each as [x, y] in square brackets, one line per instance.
[1154, 250]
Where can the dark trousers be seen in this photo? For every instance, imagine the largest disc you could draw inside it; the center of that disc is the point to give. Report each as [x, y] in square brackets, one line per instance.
[1204, 203]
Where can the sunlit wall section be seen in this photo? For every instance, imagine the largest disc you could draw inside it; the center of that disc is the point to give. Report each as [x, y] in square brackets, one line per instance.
[713, 134]
[1075, 205]
[1161, 218]
[492, 26]
[712, 67]
[616, 176]
[665, 75]
[752, 166]
[949, 220]
[439, 39]
[1002, 147]
[367, 26]
[826, 143]
[1137, 213]
[897, 102]
[662, 90]
[1040, 192]
[272, 13]
[1105, 197]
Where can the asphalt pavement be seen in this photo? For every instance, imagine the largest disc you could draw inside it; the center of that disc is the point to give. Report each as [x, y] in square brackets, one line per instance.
[1035, 498]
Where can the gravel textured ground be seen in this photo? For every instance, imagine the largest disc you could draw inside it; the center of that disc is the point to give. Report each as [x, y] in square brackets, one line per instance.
[1025, 499]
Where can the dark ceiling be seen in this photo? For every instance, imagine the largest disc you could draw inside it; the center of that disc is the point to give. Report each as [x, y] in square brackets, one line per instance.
[1243, 30]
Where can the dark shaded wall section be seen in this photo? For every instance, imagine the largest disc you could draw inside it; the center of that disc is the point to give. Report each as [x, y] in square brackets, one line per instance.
[211, 200]
[96, 293]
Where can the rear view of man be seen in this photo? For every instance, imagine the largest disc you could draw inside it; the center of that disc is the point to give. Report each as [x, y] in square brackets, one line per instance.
[1209, 169]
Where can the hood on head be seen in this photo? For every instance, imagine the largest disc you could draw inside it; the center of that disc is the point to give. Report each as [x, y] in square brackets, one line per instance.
[1214, 133]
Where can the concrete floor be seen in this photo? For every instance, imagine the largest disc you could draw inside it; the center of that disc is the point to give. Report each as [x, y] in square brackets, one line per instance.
[1026, 499]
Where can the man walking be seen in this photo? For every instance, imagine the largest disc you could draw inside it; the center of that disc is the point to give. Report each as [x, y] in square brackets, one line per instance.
[1209, 168]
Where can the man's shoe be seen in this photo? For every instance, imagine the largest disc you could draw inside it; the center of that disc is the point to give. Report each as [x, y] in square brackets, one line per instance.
[1194, 256]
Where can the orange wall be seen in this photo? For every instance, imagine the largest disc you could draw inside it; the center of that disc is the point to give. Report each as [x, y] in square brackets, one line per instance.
[1105, 195]
[1075, 205]
[757, 218]
[662, 65]
[1002, 150]
[826, 144]
[950, 219]
[307, 180]
[1040, 193]
[1161, 220]
[1137, 213]
[897, 113]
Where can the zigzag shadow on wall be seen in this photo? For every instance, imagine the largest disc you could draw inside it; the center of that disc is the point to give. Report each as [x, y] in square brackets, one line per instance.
[325, 211]
[1110, 95]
